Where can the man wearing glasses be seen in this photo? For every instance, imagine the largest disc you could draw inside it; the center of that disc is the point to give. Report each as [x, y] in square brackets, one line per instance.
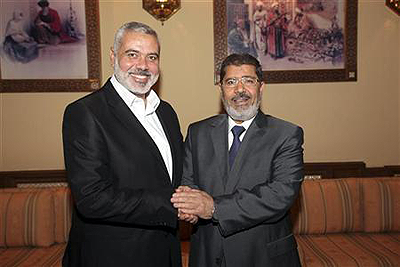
[242, 173]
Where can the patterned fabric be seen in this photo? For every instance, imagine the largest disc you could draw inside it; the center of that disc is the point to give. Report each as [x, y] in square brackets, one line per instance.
[337, 222]
[381, 204]
[62, 208]
[328, 206]
[32, 257]
[351, 249]
[26, 218]
[348, 222]
[63, 213]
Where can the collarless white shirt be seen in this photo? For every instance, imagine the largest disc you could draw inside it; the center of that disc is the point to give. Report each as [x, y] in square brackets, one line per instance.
[232, 123]
[147, 116]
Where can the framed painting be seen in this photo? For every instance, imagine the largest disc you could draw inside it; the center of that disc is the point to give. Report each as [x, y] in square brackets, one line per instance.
[49, 46]
[294, 40]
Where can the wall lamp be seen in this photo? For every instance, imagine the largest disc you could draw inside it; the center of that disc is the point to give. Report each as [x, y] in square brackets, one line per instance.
[394, 5]
[161, 9]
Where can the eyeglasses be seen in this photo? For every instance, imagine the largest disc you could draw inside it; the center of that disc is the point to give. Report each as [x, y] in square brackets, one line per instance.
[249, 82]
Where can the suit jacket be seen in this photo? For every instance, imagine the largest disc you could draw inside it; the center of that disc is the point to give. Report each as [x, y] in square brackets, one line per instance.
[120, 185]
[251, 226]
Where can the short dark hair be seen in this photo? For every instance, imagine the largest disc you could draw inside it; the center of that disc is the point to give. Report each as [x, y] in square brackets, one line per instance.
[238, 60]
[43, 3]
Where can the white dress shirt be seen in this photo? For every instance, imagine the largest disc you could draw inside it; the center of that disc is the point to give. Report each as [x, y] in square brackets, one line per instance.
[147, 116]
[231, 124]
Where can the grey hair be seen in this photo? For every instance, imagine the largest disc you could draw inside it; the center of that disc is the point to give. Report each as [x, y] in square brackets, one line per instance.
[133, 26]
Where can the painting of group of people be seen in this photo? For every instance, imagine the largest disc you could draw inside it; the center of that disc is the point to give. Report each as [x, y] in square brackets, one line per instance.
[288, 34]
[24, 38]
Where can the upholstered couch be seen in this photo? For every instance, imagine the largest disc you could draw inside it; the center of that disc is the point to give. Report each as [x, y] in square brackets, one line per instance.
[348, 222]
[337, 222]
[34, 226]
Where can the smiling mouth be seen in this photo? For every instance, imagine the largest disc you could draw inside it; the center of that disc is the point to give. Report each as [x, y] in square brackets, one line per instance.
[241, 100]
[139, 78]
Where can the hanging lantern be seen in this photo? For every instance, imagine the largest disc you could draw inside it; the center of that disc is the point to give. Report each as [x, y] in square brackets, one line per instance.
[161, 9]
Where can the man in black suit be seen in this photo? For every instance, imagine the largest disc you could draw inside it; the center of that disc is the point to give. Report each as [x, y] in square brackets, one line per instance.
[123, 156]
[242, 173]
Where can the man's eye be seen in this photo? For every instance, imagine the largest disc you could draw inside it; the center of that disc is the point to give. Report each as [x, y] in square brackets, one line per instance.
[153, 58]
[133, 55]
[249, 81]
[230, 82]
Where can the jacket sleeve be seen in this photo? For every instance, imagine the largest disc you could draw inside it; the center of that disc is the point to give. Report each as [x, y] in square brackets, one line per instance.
[188, 175]
[95, 192]
[267, 202]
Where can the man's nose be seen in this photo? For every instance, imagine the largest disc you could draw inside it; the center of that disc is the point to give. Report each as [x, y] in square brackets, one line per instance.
[239, 87]
[142, 63]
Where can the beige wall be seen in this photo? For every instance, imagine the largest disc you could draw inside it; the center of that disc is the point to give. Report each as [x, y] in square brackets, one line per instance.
[342, 121]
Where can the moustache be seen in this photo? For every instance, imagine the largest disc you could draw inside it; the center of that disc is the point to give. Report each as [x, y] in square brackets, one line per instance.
[140, 72]
[241, 96]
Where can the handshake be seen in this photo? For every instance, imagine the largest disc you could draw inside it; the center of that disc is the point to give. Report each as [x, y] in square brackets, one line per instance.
[192, 204]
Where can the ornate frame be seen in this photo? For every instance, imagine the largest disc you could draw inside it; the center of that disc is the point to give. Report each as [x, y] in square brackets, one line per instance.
[348, 73]
[92, 82]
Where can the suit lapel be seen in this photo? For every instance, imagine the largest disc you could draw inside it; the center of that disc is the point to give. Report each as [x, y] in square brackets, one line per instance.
[167, 130]
[219, 139]
[256, 131]
[122, 112]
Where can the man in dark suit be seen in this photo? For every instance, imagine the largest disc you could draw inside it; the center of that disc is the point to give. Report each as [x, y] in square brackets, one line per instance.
[123, 156]
[242, 173]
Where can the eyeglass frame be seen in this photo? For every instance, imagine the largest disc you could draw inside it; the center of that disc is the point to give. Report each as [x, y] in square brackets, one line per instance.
[241, 79]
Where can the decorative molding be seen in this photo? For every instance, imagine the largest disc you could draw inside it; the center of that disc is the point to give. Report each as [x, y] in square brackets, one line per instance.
[18, 178]
[317, 170]
[42, 185]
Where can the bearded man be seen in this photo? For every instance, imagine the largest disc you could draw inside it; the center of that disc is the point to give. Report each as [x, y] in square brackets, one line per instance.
[242, 172]
[123, 155]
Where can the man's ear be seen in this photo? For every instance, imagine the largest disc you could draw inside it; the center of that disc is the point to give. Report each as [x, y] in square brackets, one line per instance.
[220, 88]
[262, 84]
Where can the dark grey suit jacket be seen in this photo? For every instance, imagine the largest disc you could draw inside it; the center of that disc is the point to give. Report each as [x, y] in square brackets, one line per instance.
[252, 226]
[121, 187]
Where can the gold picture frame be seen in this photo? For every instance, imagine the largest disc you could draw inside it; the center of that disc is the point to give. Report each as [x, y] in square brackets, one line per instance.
[223, 11]
[60, 84]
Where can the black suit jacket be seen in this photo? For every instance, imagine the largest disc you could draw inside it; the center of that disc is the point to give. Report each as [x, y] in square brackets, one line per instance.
[252, 199]
[121, 188]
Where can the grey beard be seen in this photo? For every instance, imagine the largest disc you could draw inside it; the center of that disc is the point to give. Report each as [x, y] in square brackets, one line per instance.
[243, 115]
[144, 89]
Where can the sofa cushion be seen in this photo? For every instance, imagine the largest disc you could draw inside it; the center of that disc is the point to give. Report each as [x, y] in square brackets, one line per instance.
[26, 218]
[63, 209]
[327, 206]
[381, 198]
[351, 249]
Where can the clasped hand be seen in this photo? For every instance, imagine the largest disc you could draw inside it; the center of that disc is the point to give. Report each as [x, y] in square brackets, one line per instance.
[192, 204]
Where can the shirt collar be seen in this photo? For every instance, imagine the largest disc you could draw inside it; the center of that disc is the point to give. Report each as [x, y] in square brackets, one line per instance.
[132, 100]
[245, 124]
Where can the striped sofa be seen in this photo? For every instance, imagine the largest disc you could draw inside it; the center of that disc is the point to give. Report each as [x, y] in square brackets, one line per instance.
[348, 222]
[337, 222]
[34, 226]
[344, 222]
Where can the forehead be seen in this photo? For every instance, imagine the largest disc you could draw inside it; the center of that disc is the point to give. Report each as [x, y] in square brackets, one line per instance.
[141, 42]
[239, 71]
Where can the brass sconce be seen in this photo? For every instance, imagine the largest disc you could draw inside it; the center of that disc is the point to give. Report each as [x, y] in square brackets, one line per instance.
[394, 5]
[161, 9]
